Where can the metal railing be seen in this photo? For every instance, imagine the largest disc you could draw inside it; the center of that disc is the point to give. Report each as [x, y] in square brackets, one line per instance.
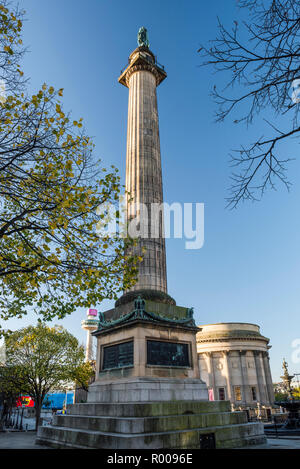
[14, 420]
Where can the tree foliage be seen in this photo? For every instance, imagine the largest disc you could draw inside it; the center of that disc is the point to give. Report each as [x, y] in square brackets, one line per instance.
[280, 396]
[84, 375]
[260, 57]
[10, 390]
[40, 359]
[11, 48]
[51, 193]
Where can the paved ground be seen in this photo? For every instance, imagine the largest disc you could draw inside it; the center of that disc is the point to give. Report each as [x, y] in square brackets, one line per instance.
[19, 440]
[26, 440]
[282, 443]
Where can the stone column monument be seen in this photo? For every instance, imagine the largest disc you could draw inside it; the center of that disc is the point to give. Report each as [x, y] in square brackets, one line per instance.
[143, 165]
[147, 391]
[143, 173]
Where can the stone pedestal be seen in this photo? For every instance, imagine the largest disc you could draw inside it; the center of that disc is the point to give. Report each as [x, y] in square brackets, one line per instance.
[146, 405]
[152, 340]
[148, 390]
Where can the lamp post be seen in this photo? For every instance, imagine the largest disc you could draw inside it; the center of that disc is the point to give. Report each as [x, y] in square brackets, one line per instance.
[17, 418]
[297, 378]
[21, 423]
[66, 400]
[67, 389]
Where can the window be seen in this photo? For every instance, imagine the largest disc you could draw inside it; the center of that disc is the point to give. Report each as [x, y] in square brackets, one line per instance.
[237, 393]
[253, 393]
[118, 356]
[222, 396]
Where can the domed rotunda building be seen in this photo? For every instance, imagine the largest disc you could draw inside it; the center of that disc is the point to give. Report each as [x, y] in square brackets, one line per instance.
[234, 363]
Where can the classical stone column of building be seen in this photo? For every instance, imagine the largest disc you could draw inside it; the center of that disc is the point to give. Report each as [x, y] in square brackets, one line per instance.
[269, 382]
[143, 172]
[244, 369]
[260, 377]
[211, 373]
[228, 374]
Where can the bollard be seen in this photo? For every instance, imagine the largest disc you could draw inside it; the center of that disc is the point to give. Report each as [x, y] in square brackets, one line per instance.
[275, 422]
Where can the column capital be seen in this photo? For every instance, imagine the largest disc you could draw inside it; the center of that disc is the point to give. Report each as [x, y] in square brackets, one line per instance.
[142, 59]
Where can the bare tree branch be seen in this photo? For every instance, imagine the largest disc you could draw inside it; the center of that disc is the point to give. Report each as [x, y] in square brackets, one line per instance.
[262, 57]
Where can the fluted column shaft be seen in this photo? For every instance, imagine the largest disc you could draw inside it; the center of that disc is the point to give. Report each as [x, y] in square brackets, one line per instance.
[144, 178]
[211, 374]
[269, 383]
[245, 380]
[260, 377]
[228, 375]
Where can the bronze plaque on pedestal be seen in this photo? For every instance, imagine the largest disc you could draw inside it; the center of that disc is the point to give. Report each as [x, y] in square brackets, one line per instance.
[118, 356]
[167, 353]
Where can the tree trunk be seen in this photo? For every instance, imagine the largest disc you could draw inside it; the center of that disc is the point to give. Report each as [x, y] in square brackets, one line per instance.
[38, 408]
[3, 415]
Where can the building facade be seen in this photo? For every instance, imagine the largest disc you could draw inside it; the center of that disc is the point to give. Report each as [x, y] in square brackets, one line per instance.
[234, 363]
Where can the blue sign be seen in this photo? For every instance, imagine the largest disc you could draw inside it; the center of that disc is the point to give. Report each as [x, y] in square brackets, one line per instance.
[56, 400]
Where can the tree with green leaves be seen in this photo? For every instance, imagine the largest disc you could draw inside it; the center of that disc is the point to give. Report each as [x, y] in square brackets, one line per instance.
[259, 60]
[296, 393]
[280, 396]
[12, 50]
[53, 195]
[9, 392]
[41, 359]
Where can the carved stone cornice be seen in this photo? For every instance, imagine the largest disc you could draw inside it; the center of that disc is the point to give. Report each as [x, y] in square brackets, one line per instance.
[253, 339]
[139, 313]
[142, 60]
[231, 336]
[143, 67]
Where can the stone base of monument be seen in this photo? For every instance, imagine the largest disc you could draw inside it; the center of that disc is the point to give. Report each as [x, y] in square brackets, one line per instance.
[147, 392]
[152, 425]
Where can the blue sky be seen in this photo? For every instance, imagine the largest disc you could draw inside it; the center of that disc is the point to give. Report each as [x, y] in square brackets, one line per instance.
[248, 268]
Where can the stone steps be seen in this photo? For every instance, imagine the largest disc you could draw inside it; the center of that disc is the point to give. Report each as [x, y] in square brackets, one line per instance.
[148, 409]
[227, 436]
[135, 425]
[153, 425]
